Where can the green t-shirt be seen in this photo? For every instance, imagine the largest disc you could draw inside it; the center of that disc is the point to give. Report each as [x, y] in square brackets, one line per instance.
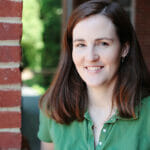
[117, 133]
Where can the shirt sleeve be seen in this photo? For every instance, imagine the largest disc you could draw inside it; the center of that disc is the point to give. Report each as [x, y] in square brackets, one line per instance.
[44, 128]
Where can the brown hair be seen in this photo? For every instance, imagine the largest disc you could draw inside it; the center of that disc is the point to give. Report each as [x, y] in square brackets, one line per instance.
[66, 99]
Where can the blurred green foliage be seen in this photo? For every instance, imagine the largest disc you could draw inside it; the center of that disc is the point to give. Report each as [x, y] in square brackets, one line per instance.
[41, 39]
[32, 43]
[51, 15]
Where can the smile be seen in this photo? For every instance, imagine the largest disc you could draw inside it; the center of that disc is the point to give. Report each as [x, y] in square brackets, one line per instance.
[94, 69]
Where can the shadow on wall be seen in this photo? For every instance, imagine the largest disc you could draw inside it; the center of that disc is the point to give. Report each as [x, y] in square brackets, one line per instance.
[30, 123]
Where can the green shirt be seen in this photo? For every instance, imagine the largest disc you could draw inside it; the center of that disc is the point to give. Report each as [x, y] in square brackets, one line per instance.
[117, 133]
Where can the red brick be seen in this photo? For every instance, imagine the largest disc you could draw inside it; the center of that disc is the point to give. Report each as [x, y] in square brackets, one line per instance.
[10, 9]
[10, 53]
[10, 98]
[10, 119]
[10, 140]
[10, 76]
[10, 31]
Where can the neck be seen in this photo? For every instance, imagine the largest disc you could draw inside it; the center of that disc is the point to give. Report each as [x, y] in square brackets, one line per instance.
[101, 97]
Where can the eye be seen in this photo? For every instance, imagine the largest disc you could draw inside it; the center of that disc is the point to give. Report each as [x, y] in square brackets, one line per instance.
[80, 45]
[104, 44]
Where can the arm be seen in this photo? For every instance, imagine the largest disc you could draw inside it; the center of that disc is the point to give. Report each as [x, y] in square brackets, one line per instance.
[47, 146]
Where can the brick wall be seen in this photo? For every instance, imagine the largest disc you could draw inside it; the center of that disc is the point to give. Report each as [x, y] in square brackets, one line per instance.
[142, 24]
[10, 78]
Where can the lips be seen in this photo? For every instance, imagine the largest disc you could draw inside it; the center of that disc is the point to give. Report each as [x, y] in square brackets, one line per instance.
[94, 69]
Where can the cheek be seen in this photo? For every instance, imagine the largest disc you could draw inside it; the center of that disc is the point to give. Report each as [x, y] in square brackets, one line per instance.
[111, 58]
[114, 59]
[74, 57]
[77, 58]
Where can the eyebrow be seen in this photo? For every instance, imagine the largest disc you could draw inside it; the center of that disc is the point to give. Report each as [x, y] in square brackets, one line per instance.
[104, 38]
[78, 40]
[98, 39]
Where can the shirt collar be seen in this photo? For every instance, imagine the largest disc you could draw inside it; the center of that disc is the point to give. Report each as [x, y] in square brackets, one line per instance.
[87, 116]
[115, 116]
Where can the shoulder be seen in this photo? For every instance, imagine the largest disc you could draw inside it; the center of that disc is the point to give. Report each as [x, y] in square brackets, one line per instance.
[44, 125]
[145, 108]
[145, 102]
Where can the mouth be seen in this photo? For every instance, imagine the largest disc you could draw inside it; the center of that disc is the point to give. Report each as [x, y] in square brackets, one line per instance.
[94, 69]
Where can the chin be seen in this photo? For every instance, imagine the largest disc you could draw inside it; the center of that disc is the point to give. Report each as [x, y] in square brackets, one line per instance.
[95, 84]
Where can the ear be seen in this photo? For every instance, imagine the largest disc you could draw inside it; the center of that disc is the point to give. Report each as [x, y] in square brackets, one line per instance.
[125, 49]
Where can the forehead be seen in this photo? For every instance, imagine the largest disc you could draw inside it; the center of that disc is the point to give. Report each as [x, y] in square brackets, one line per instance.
[95, 26]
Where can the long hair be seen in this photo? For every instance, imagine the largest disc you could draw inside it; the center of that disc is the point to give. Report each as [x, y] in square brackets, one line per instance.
[66, 99]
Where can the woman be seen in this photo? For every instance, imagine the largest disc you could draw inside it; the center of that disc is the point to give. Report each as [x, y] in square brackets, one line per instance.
[99, 98]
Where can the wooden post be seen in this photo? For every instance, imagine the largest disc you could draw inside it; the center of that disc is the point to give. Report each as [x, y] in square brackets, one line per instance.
[142, 25]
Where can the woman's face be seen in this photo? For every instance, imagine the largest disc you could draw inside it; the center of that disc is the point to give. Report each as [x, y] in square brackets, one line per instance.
[96, 50]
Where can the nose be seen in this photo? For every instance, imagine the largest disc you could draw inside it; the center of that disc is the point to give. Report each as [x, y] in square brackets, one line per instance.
[92, 55]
